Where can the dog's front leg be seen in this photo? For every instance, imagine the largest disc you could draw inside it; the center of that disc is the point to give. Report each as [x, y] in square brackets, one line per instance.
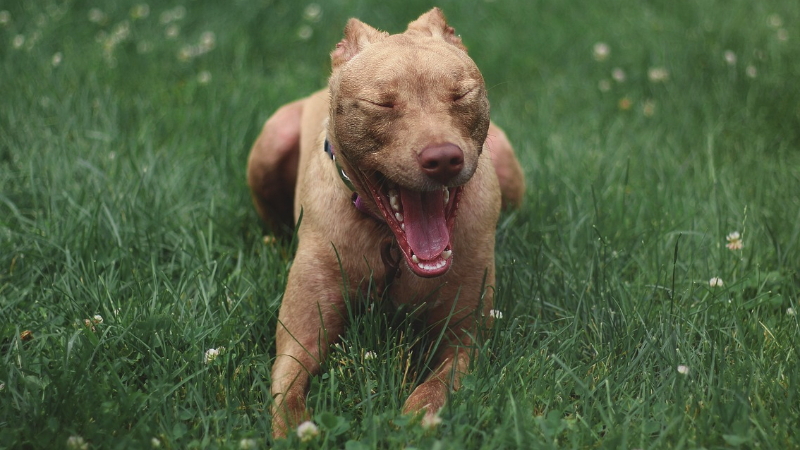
[458, 325]
[430, 396]
[310, 320]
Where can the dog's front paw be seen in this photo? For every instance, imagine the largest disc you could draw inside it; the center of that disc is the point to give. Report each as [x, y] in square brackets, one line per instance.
[429, 397]
[291, 412]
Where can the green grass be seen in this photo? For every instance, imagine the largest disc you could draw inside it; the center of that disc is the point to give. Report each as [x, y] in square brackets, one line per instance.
[122, 193]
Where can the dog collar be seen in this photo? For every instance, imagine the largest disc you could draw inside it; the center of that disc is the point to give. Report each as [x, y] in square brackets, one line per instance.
[357, 201]
[345, 179]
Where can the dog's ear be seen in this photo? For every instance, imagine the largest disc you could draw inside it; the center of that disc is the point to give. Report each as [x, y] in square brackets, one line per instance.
[357, 36]
[433, 23]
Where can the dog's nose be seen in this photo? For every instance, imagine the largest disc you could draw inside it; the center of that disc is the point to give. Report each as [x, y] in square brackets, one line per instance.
[441, 162]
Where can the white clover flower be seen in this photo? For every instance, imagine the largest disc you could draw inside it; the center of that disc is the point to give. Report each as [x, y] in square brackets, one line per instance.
[56, 60]
[98, 319]
[248, 444]
[186, 53]
[734, 241]
[140, 11]
[155, 442]
[730, 57]
[3, 385]
[171, 15]
[369, 355]
[19, 41]
[649, 108]
[683, 370]
[604, 85]
[5, 17]
[496, 314]
[715, 282]
[204, 77]
[774, 21]
[208, 40]
[307, 431]
[96, 16]
[305, 32]
[783, 35]
[658, 74]
[601, 51]
[172, 31]
[121, 31]
[76, 443]
[618, 75]
[790, 311]
[751, 71]
[211, 354]
[312, 12]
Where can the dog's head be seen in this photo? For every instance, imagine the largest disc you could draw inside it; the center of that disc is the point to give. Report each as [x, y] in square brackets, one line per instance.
[409, 117]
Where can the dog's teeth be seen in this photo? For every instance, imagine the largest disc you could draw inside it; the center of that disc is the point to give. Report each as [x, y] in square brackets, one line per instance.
[447, 254]
[398, 216]
[394, 200]
[403, 226]
[446, 196]
[415, 259]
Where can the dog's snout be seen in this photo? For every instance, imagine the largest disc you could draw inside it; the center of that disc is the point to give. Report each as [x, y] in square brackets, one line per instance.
[442, 162]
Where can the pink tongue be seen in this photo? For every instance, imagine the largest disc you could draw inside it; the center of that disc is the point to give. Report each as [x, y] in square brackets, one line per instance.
[426, 227]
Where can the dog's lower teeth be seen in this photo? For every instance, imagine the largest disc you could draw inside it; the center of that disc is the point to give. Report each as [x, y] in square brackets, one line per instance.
[436, 265]
[393, 201]
[403, 226]
[398, 216]
[446, 194]
[415, 259]
[447, 254]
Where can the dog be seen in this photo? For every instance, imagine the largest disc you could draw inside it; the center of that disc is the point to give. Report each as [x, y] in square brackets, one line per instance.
[398, 174]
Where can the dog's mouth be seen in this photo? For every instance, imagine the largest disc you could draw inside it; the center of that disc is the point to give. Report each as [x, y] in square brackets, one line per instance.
[422, 222]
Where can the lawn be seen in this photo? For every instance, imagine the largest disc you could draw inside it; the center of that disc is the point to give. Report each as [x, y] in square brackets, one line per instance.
[633, 314]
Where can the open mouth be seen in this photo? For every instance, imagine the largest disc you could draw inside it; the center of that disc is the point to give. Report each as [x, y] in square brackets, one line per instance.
[422, 222]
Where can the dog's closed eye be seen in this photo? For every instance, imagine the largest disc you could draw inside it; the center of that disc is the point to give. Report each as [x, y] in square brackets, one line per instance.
[461, 94]
[382, 103]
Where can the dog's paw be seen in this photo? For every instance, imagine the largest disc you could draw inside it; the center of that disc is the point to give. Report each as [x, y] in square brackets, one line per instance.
[429, 397]
[291, 413]
[431, 419]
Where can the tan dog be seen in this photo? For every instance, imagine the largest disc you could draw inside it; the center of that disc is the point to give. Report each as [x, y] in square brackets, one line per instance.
[391, 167]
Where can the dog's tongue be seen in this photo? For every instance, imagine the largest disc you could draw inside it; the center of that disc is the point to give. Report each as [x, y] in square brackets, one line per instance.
[425, 224]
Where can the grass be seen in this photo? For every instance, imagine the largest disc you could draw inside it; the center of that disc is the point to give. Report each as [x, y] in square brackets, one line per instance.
[122, 194]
